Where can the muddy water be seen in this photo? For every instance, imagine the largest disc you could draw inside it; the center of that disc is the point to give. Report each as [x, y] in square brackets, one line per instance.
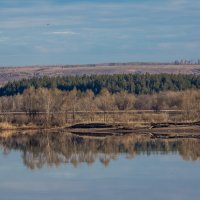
[59, 165]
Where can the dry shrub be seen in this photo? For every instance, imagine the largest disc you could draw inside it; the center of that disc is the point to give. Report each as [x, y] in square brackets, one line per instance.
[6, 125]
[20, 119]
[152, 117]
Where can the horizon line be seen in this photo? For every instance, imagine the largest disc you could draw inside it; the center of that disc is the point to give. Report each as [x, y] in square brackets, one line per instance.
[179, 62]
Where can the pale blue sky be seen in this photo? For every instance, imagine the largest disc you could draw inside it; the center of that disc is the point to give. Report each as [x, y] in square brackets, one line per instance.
[97, 31]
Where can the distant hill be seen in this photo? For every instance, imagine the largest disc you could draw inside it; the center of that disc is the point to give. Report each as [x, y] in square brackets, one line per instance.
[17, 73]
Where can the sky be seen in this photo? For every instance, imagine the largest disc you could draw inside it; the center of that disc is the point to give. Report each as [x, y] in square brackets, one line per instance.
[42, 32]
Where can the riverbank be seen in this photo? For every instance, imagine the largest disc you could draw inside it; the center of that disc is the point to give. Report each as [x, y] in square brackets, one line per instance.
[154, 130]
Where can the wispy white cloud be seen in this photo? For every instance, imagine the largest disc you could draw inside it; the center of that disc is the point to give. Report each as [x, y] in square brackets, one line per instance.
[62, 33]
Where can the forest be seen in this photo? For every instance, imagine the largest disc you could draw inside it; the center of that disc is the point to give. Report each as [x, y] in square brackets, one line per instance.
[130, 83]
[129, 98]
[53, 107]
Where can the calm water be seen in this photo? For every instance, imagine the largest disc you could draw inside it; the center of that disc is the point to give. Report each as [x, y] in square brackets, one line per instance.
[62, 166]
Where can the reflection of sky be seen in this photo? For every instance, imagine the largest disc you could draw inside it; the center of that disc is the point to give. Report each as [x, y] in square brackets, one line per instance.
[78, 31]
[144, 177]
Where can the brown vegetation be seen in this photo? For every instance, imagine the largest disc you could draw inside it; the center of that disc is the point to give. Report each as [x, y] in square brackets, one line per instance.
[53, 107]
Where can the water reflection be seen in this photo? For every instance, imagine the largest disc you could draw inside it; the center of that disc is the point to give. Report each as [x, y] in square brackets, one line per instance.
[54, 148]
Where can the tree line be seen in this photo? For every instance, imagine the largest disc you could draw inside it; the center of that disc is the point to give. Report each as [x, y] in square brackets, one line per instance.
[52, 101]
[130, 83]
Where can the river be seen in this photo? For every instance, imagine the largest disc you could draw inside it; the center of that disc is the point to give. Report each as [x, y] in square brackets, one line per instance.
[60, 166]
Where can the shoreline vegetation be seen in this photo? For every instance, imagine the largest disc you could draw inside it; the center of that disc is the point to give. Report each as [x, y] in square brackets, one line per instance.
[126, 101]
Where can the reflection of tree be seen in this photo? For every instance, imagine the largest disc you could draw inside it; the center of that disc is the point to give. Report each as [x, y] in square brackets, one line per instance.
[53, 149]
[190, 150]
